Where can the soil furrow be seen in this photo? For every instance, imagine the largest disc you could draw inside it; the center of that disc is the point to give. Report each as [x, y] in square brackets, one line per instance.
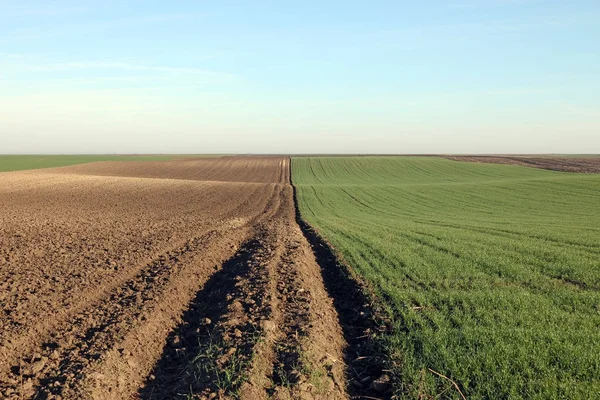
[209, 353]
[263, 327]
[301, 356]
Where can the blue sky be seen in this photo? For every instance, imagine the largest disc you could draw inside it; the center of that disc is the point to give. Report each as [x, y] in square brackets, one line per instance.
[454, 76]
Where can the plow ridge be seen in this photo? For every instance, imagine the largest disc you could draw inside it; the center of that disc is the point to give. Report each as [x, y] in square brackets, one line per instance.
[294, 307]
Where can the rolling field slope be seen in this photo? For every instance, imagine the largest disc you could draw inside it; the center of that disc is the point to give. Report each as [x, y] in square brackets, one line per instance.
[24, 162]
[491, 272]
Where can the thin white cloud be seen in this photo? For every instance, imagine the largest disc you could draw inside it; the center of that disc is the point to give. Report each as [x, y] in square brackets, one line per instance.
[149, 19]
[415, 36]
[21, 10]
[11, 56]
[63, 28]
[124, 66]
[489, 3]
[521, 91]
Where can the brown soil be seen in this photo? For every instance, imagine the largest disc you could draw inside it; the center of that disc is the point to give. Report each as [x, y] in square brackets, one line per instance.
[222, 169]
[155, 280]
[588, 165]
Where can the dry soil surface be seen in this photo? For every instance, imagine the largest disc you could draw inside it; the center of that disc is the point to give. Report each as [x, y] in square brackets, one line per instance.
[161, 280]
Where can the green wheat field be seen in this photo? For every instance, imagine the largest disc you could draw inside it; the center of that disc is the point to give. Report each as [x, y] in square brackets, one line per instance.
[490, 273]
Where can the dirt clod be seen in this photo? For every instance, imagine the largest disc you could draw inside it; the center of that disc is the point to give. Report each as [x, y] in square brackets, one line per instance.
[382, 385]
[38, 366]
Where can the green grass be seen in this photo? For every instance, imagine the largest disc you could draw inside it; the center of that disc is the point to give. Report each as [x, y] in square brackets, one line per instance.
[24, 162]
[491, 273]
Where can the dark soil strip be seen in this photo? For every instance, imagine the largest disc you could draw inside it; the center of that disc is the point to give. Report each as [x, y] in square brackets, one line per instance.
[369, 372]
[587, 165]
[208, 354]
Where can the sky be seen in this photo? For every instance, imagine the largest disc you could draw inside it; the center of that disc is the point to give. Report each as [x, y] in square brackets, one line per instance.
[405, 77]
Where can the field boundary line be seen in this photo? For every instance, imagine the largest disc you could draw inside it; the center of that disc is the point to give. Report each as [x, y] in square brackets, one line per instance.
[370, 370]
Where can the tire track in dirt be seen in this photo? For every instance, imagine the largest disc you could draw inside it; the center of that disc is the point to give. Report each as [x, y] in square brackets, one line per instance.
[264, 328]
[209, 352]
[287, 321]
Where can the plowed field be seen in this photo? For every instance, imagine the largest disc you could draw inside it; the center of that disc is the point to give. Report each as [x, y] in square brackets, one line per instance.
[176, 279]
[588, 165]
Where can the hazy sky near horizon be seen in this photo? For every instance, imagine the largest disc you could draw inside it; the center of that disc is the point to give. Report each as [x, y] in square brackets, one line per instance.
[437, 76]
